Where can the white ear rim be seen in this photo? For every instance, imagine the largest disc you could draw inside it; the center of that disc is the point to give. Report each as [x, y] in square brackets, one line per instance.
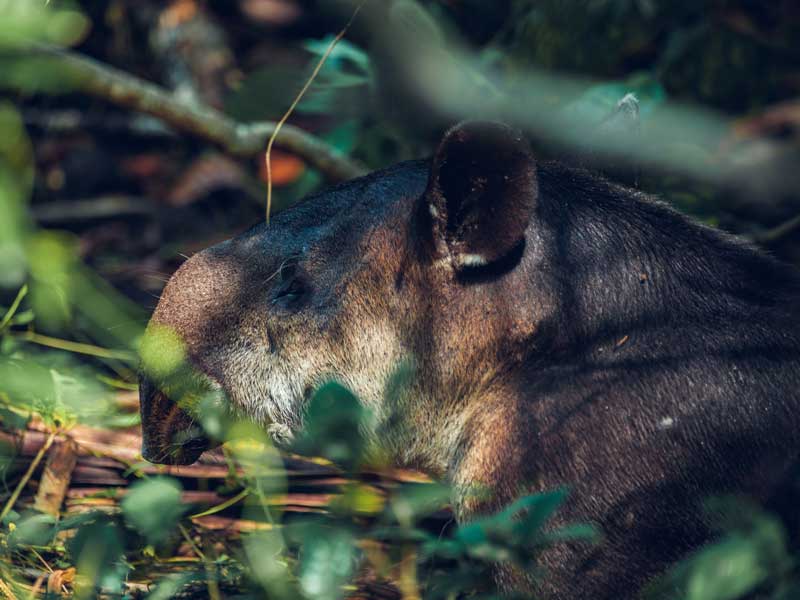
[471, 260]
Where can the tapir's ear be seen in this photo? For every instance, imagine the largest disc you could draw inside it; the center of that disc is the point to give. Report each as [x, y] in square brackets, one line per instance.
[481, 192]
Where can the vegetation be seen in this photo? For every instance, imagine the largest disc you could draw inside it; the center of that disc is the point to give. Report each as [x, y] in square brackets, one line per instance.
[107, 181]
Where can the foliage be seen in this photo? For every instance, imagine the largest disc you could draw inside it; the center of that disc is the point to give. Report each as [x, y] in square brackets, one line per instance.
[751, 556]
[69, 342]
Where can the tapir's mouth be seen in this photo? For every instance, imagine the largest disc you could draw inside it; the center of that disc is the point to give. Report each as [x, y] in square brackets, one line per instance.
[170, 436]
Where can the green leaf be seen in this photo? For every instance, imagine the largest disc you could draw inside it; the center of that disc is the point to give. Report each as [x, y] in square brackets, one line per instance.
[35, 530]
[334, 423]
[169, 586]
[97, 551]
[344, 137]
[753, 552]
[26, 22]
[56, 386]
[416, 500]
[327, 558]
[265, 93]
[520, 522]
[726, 571]
[344, 55]
[415, 22]
[153, 507]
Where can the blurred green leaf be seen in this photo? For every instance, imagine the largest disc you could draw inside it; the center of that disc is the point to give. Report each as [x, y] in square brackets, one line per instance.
[344, 55]
[265, 553]
[169, 586]
[34, 530]
[36, 74]
[163, 352]
[16, 179]
[26, 22]
[97, 551]
[153, 507]
[753, 551]
[415, 21]
[327, 558]
[52, 261]
[55, 386]
[726, 571]
[265, 93]
[416, 500]
[334, 426]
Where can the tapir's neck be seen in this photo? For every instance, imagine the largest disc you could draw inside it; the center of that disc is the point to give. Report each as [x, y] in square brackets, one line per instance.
[620, 259]
[603, 267]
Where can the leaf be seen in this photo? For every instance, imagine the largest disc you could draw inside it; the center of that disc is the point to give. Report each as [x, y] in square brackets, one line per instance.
[753, 551]
[26, 22]
[162, 351]
[359, 499]
[334, 423]
[264, 549]
[264, 93]
[343, 52]
[35, 530]
[520, 522]
[416, 500]
[575, 532]
[327, 558]
[726, 571]
[50, 384]
[169, 586]
[96, 550]
[286, 168]
[153, 507]
[416, 22]
[344, 137]
[404, 534]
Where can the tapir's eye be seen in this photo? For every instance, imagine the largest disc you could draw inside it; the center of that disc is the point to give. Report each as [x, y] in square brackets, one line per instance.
[291, 288]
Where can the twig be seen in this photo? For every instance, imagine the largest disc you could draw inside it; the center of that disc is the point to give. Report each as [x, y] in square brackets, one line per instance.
[222, 506]
[101, 207]
[6, 590]
[89, 349]
[37, 585]
[296, 101]
[240, 139]
[211, 581]
[24, 481]
[56, 476]
[770, 236]
[14, 306]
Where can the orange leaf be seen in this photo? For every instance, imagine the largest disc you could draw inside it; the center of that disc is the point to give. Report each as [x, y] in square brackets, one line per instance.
[286, 168]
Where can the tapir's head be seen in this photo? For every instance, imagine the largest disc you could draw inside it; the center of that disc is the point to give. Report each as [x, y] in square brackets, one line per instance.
[417, 264]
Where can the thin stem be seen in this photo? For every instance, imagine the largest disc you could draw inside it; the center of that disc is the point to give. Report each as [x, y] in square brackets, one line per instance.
[211, 580]
[24, 481]
[89, 349]
[223, 505]
[296, 101]
[14, 306]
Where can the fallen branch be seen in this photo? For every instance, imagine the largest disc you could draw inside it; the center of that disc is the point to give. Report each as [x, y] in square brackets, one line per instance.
[240, 139]
[56, 477]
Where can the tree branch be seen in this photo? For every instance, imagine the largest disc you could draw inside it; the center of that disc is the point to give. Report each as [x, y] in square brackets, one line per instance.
[240, 139]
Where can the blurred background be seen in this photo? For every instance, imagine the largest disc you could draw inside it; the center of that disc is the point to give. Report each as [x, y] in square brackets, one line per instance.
[132, 135]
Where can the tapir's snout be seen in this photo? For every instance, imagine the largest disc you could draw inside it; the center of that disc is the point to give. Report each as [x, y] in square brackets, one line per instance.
[178, 352]
[169, 434]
